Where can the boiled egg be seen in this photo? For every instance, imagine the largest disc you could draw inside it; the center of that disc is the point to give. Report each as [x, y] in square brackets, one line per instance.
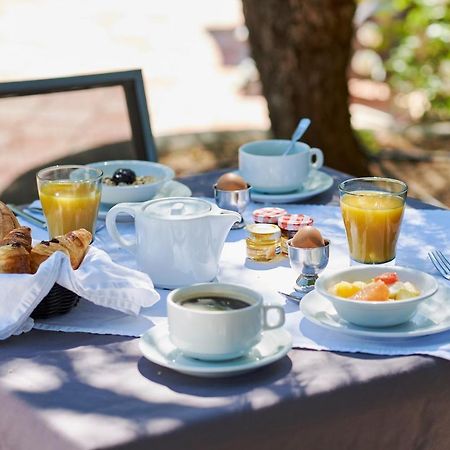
[307, 237]
[231, 182]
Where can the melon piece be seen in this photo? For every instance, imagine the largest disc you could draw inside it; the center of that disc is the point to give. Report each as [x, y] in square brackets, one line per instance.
[408, 290]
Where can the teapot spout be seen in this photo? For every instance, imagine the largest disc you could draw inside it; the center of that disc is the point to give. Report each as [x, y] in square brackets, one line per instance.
[221, 222]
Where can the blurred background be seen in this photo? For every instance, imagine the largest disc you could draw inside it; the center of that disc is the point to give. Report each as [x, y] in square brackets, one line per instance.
[373, 75]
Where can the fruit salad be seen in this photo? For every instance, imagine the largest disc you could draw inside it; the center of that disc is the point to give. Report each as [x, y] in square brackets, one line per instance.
[384, 287]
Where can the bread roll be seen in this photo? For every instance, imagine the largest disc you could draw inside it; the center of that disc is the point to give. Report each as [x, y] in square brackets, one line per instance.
[20, 235]
[14, 259]
[74, 244]
[8, 220]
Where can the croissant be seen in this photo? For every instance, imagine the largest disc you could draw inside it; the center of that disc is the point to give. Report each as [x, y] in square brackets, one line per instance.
[14, 259]
[8, 220]
[74, 244]
[20, 235]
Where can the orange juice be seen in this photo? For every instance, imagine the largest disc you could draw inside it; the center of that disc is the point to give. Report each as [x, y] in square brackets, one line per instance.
[68, 206]
[372, 222]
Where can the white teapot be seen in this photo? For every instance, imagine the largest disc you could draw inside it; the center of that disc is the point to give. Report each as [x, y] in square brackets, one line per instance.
[178, 240]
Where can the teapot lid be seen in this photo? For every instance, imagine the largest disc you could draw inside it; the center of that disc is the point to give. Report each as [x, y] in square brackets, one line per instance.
[177, 208]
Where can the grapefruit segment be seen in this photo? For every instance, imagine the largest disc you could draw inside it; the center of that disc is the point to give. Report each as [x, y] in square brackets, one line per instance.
[387, 277]
[373, 292]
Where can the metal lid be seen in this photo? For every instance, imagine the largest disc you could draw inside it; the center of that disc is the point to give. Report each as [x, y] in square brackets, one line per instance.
[178, 208]
[268, 215]
[263, 229]
[294, 221]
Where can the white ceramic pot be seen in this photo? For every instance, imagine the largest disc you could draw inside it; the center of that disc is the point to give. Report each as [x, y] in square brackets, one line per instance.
[178, 240]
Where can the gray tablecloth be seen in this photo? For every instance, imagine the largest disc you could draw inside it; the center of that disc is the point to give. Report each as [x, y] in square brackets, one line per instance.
[80, 391]
[99, 392]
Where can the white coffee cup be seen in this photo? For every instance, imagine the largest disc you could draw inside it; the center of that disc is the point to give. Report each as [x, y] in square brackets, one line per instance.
[218, 335]
[263, 166]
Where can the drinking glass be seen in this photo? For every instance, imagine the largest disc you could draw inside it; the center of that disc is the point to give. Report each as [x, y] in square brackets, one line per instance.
[372, 210]
[70, 197]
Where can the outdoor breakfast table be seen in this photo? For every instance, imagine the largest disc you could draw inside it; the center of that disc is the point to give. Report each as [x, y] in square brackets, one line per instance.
[81, 391]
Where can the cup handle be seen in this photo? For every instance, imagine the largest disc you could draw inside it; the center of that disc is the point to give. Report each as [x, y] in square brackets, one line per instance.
[111, 225]
[319, 158]
[281, 317]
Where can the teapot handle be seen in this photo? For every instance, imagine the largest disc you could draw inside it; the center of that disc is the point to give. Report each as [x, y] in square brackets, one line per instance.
[111, 225]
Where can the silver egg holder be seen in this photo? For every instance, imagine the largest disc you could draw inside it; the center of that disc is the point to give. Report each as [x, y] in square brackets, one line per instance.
[237, 200]
[309, 262]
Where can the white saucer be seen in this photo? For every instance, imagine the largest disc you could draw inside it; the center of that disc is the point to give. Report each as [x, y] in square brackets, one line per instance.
[157, 347]
[316, 183]
[170, 189]
[432, 316]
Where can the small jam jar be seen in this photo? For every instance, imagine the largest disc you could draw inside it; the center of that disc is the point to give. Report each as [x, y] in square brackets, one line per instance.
[289, 224]
[268, 215]
[263, 241]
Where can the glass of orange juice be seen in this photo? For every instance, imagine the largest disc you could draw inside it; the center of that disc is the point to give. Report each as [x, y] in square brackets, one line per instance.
[372, 209]
[70, 197]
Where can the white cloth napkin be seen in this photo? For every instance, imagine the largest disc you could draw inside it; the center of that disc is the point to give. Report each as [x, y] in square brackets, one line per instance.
[98, 280]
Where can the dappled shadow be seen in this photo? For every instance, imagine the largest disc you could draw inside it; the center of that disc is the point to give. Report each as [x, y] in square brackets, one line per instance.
[20, 346]
[87, 377]
[105, 380]
[216, 387]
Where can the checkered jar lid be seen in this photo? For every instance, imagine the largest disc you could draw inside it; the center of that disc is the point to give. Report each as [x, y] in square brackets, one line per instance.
[294, 221]
[268, 215]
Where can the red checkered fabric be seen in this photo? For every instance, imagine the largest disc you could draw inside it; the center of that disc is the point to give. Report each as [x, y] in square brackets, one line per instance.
[294, 221]
[268, 215]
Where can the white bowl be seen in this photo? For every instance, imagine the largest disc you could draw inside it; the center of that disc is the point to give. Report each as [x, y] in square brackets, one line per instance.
[133, 193]
[377, 314]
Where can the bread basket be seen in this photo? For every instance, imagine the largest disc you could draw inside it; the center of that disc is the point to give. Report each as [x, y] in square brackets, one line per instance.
[58, 301]
[20, 255]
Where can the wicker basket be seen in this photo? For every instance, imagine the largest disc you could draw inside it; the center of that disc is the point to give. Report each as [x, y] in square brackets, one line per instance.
[58, 301]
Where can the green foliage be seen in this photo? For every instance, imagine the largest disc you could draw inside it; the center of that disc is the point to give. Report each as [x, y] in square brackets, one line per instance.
[416, 50]
[368, 141]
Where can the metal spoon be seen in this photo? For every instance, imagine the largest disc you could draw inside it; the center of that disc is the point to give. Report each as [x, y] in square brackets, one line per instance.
[298, 133]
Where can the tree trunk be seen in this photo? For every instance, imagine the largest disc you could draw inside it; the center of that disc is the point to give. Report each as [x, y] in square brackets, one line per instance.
[302, 49]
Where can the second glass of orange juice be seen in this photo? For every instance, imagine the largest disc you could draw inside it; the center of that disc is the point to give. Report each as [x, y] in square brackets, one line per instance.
[70, 197]
[372, 209]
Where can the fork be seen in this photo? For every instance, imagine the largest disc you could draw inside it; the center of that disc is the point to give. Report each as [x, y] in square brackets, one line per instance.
[441, 263]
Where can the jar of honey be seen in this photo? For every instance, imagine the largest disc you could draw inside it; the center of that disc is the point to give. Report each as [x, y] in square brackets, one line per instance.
[268, 215]
[289, 224]
[263, 241]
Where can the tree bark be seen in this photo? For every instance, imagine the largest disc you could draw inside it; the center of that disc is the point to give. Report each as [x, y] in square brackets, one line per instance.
[302, 49]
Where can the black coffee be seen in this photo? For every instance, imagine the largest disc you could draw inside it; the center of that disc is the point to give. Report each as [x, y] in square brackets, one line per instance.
[212, 303]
